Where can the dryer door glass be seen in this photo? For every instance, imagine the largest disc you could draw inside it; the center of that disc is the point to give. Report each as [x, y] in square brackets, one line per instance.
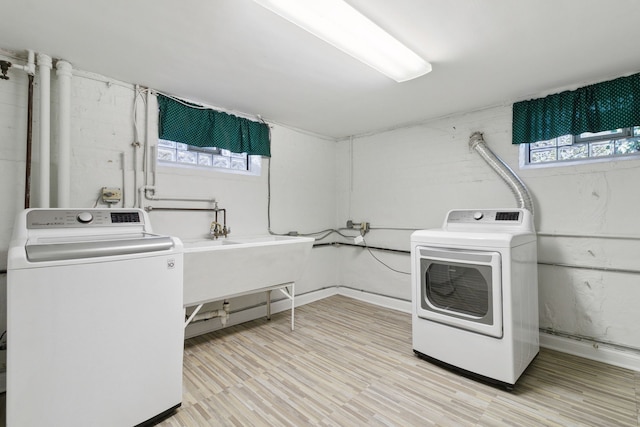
[459, 288]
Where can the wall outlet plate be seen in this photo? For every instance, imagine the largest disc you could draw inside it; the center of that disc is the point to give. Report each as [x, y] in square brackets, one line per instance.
[111, 195]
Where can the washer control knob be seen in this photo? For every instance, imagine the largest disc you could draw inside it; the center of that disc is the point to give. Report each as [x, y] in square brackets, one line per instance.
[478, 216]
[84, 217]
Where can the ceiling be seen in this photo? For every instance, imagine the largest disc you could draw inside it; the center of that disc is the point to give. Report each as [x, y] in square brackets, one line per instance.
[236, 55]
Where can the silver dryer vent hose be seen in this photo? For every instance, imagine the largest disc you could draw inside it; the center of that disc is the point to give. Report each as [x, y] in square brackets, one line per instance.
[519, 190]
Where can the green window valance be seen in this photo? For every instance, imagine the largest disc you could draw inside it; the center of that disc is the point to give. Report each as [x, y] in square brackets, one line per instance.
[194, 125]
[595, 108]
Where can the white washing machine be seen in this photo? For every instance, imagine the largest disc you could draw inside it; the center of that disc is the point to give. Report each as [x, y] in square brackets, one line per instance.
[95, 319]
[475, 293]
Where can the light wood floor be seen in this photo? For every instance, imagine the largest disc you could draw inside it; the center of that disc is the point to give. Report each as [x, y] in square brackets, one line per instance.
[349, 363]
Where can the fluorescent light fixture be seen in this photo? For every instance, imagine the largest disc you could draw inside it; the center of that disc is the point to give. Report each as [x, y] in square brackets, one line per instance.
[339, 24]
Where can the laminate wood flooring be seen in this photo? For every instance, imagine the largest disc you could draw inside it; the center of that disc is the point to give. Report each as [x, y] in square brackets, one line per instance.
[350, 363]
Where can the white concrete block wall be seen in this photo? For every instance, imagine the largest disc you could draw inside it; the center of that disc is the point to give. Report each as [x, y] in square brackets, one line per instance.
[102, 128]
[411, 177]
[407, 177]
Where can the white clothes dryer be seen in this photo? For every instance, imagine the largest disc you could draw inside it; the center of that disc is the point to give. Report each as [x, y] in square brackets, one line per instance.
[475, 293]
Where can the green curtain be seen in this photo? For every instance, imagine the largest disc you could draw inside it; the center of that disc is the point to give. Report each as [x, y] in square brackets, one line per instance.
[603, 106]
[209, 128]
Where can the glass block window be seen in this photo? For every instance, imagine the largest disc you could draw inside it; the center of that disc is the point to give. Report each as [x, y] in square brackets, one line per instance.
[611, 144]
[176, 153]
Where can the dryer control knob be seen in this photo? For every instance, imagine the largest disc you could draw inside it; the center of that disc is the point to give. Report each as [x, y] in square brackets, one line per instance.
[478, 216]
[85, 217]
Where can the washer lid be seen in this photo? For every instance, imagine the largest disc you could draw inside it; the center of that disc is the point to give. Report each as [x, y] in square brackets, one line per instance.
[75, 247]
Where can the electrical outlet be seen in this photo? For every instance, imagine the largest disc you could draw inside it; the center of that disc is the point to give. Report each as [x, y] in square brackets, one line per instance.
[111, 195]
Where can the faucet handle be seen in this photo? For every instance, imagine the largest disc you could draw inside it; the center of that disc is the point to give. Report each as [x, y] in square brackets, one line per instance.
[215, 230]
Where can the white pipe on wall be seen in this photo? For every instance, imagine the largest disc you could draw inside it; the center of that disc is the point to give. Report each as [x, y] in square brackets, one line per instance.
[136, 147]
[147, 141]
[30, 67]
[44, 69]
[149, 193]
[64, 73]
[124, 162]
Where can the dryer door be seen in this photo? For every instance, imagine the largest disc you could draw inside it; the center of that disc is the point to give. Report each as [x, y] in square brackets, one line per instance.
[461, 288]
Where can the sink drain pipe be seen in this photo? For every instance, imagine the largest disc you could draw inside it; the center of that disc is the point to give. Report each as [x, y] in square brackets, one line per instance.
[519, 190]
[223, 314]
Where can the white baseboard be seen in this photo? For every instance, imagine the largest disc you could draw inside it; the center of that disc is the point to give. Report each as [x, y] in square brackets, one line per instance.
[379, 300]
[592, 351]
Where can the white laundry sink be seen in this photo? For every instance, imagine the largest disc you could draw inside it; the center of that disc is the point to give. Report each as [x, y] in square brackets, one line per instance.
[223, 268]
[207, 244]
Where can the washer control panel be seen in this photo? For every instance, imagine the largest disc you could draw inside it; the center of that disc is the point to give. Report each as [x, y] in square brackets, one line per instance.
[72, 218]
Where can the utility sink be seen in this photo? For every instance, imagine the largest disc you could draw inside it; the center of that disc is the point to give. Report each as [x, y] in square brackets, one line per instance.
[228, 267]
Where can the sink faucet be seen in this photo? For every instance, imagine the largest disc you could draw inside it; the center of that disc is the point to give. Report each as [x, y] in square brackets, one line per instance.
[216, 230]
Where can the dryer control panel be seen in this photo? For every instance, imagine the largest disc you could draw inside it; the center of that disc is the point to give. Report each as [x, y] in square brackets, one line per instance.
[485, 216]
[519, 220]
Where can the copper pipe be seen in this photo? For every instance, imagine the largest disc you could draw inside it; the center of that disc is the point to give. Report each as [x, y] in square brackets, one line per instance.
[224, 221]
[27, 183]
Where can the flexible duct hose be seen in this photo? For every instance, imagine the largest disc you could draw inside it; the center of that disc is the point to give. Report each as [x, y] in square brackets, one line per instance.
[519, 190]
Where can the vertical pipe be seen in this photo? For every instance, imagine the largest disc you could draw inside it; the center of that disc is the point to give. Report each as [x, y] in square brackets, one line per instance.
[147, 141]
[123, 162]
[136, 202]
[27, 180]
[135, 145]
[44, 68]
[154, 164]
[64, 133]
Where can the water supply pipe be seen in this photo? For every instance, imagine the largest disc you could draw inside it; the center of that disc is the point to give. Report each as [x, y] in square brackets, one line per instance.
[136, 147]
[27, 172]
[30, 67]
[124, 162]
[44, 68]
[147, 144]
[64, 133]
[150, 194]
[518, 188]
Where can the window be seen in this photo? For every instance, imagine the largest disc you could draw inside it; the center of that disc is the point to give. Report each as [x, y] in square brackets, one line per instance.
[176, 153]
[617, 143]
